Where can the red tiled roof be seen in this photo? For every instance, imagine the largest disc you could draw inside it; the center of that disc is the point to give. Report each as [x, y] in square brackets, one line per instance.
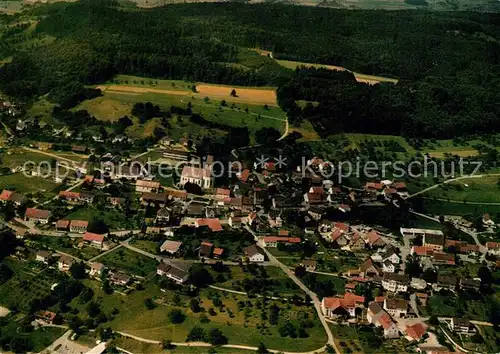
[69, 194]
[374, 185]
[284, 233]
[147, 184]
[37, 213]
[213, 224]
[354, 298]
[91, 237]
[416, 331]
[218, 251]
[244, 175]
[341, 226]
[79, 223]
[422, 251]
[386, 321]
[399, 185]
[62, 224]
[222, 192]
[336, 234]
[492, 245]
[282, 239]
[5, 195]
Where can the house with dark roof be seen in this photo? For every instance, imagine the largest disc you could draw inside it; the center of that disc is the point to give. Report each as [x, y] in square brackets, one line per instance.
[206, 249]
[176, 274]
[254, 254]
[434, 242]
[395, 282]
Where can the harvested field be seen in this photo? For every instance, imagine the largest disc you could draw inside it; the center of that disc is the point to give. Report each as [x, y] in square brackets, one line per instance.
[254, 96]
[247, 95]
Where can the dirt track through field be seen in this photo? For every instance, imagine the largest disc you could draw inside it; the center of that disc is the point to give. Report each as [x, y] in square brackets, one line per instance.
[243, 95]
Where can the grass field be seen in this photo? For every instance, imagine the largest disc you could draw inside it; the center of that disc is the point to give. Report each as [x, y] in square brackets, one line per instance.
[436, 207]
[65, 245]
[130, 261]
[479, 190]
[114, 219]
[369, 79]
[239, 326]
[40, 338]
[23, 184]
[145, 245]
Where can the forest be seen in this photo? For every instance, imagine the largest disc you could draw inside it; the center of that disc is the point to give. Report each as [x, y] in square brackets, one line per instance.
[447, 64]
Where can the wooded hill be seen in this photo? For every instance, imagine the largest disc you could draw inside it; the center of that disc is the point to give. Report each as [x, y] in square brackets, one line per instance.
[447, 63]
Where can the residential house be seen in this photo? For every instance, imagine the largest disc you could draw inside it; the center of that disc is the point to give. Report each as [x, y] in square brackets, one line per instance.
[374, 240]
[200, 176]
[368, 269]
[338, 236]
[309, 265]
[37, 215]
[254, 254]
[411, 232]
[461, 325]
[357, 243]
[144, 186]
[434, 242]
[78, 226]
[390, 255]
[64, 263]
[374, 312]
[335, 306]
[93, 240]
[218, 252]
[493, 247]
[178, 275]
[171, 247]
[388, 267]
[235, 221]
[206, 249]
[162, 216]
[395, 282]
[439, 258]
[273, 241]
[212, 223]
[397, 308]
[390, 328]
[222, 193]
[156, 199]
[470, 284]
[62, 225]
[14, 197]
[97, 269]
[416, 332]
[43, 256]
[120, 279]
[445, 282]
[47, 317]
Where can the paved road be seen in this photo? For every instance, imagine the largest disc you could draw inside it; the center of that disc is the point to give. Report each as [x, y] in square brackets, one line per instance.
[312, 295]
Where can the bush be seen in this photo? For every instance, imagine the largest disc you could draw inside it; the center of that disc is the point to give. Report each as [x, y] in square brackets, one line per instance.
[176, 316]
[197, 334]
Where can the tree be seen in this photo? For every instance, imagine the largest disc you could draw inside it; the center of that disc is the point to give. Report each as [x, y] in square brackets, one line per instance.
[194, 304]
[77, 270]
[176, 316]
[93, 309]
[86, 295]
[200, 277]
[196, 334]
[8, 243]
[98, 226]
[262, 349]
[433, 320]
[167, 344]
[149, 303]
[233, 93]
[216, 337]
[300, 271]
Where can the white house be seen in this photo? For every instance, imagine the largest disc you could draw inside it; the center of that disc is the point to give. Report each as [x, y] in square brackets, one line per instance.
[200, 176]
[253, 254]
[388, 267]
[395, 282]
[176, 274]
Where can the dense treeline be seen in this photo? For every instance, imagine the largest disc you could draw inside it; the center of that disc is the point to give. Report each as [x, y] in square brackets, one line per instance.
[448, 64]
[428, 108]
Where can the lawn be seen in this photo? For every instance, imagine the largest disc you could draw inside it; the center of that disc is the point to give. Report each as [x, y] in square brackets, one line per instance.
[23, 184]
[241, 325]
[145, 245]
[437, 207]
[276, 282]
[130, 261]
[114, 219]
[479, 190]
[64, 244]
[26, 285]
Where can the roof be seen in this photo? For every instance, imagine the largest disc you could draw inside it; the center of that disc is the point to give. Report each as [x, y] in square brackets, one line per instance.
[79, 223]
[341, 226]
[416, 331]
[66, 260]
[336, 234]
[91, 237]
[170, 246]
[147, 184]
[492, 245]
[443, 279]
[470, 282]
[366, 264]
[374, 185]
[223, 191]
[400, 278]
[62, 224]
[354, 298]
[157, 197]
[463, 322]
[212, 223]
[251, 250]
[395, 304]
[399, 185]
[270, 239]
[386, 321]
[37, 213]
[196, 172]
[422, 251]
[244, 175]
[444, 257]
[47, 315]
[430, 239]
[69, 194]
[44, 254]
[97, 266]
[218, 251]
[375, 308]
[6, 195]
[373, 237]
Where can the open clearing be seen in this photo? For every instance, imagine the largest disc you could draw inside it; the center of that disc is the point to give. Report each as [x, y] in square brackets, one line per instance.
[253, 96]
[368, 79]
[480, 190]
[461, 153]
